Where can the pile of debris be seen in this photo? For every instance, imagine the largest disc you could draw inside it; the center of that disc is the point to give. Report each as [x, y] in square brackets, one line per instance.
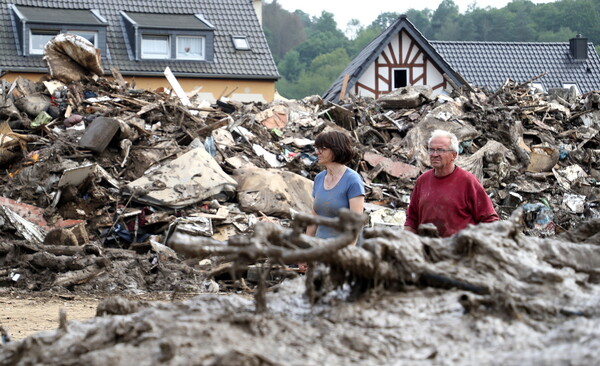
[104, 167]
[102, 182]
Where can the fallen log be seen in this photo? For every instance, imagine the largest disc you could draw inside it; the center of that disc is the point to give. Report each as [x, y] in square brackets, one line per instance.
[78, 277]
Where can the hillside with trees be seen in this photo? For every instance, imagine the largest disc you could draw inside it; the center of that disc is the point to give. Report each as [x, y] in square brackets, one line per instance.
[311, 52]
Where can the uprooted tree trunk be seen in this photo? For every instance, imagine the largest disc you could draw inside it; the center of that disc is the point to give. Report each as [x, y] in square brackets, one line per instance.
[497, 266]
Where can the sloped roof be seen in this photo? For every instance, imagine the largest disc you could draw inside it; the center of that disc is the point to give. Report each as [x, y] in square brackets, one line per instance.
[229, 18]
[486, 64]
[520, 61]
[368, 54]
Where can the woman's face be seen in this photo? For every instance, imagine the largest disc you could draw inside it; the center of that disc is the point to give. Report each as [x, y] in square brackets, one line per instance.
[325, 155]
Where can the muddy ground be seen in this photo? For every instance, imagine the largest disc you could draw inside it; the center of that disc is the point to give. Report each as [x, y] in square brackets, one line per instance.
[414, 327]
[29, 313]
[489, 295]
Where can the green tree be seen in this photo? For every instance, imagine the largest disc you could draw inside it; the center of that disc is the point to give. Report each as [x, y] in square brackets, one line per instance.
[521, 26]
[283, 30]
[291, 67]
[384, 20]
[421, 19]
[447, 12]
[319, 44]
[353, 28]
[562, 35]
[363, 38]
[323, 71]
[324, 24]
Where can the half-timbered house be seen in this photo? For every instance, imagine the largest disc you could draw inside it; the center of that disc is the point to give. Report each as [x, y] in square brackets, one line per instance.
[401, 56]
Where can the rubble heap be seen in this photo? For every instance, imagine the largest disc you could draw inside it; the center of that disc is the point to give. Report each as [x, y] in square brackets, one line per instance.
[98, 177]
[111, 168]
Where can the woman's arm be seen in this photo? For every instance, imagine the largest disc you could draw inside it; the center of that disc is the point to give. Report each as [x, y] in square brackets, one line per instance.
[357, 204]
[311, 230]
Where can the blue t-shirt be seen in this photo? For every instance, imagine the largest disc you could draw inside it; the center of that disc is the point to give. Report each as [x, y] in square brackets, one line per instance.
[329, 202]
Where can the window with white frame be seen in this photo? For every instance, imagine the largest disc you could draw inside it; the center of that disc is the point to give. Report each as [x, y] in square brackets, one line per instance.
[240, 43]
[38, 39]
[89, 35]
[155, 46]
[190, 48]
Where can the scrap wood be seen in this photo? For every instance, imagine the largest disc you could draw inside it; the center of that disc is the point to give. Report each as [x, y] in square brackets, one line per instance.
[79, 276]
[25, 228]
[61, 263]
[213, 126]
[134, 101]
[118, 78]
[189, 114]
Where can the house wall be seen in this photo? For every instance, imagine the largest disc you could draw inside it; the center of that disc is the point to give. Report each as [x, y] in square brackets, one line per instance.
[401, 53]
[209, 89]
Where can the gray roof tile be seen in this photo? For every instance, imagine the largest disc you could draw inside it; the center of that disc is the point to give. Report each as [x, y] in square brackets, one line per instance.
[229, 17]
[520, 61]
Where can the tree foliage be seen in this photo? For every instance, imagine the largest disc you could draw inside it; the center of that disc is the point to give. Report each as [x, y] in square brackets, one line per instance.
[284, 30]
[311, 52]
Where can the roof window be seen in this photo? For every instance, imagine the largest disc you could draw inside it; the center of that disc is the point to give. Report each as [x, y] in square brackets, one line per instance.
[240, 43]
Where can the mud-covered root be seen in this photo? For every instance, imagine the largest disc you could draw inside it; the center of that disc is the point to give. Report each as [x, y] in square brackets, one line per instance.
[277, 244]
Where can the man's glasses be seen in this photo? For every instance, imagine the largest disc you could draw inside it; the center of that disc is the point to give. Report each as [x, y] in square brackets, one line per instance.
[438, 151]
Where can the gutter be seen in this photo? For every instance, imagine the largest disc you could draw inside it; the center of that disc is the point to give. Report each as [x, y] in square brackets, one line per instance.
[153, 73]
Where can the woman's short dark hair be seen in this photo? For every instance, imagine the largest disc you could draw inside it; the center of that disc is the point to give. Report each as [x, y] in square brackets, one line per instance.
[339, 143]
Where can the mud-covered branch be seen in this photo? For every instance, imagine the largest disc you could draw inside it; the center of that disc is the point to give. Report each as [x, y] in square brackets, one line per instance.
[280, 244]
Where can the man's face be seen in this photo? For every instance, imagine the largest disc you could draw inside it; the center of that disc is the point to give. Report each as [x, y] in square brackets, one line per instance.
[441, 159]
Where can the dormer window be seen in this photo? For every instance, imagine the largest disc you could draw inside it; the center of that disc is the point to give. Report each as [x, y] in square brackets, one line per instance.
[92, 37]
[38, 39]
[155, 47]
[190, 48]
[167, 36]
[240, 43]
[37, 26]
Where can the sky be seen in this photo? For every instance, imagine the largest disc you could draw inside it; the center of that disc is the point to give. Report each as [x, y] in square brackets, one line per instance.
[367, 10]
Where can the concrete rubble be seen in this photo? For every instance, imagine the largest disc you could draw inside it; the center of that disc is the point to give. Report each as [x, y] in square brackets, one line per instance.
[99, 179]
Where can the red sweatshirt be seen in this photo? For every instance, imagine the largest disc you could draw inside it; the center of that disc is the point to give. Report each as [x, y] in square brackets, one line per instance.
[450, 203]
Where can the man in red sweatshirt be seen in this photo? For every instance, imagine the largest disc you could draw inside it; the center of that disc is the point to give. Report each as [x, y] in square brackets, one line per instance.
[447, 196]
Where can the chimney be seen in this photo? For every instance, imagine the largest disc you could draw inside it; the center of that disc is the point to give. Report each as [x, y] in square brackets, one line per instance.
[258, 9]
[578, 47]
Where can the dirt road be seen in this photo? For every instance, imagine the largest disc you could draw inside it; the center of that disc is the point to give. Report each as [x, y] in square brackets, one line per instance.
[25, 314]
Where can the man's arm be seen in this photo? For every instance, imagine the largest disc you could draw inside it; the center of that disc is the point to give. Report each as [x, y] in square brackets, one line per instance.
[408, 228]
[483, 208]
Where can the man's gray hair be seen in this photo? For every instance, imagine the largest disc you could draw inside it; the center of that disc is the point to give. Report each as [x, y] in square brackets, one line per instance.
[449, 135]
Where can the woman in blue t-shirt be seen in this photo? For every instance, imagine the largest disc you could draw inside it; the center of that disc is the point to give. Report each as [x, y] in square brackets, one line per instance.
[337, 186]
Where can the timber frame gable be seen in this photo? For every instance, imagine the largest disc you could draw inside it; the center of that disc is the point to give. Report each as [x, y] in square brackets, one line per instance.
[398, 57]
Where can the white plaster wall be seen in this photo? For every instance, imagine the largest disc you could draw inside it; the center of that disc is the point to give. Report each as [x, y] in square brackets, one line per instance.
[368, 79]
[435, 77]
